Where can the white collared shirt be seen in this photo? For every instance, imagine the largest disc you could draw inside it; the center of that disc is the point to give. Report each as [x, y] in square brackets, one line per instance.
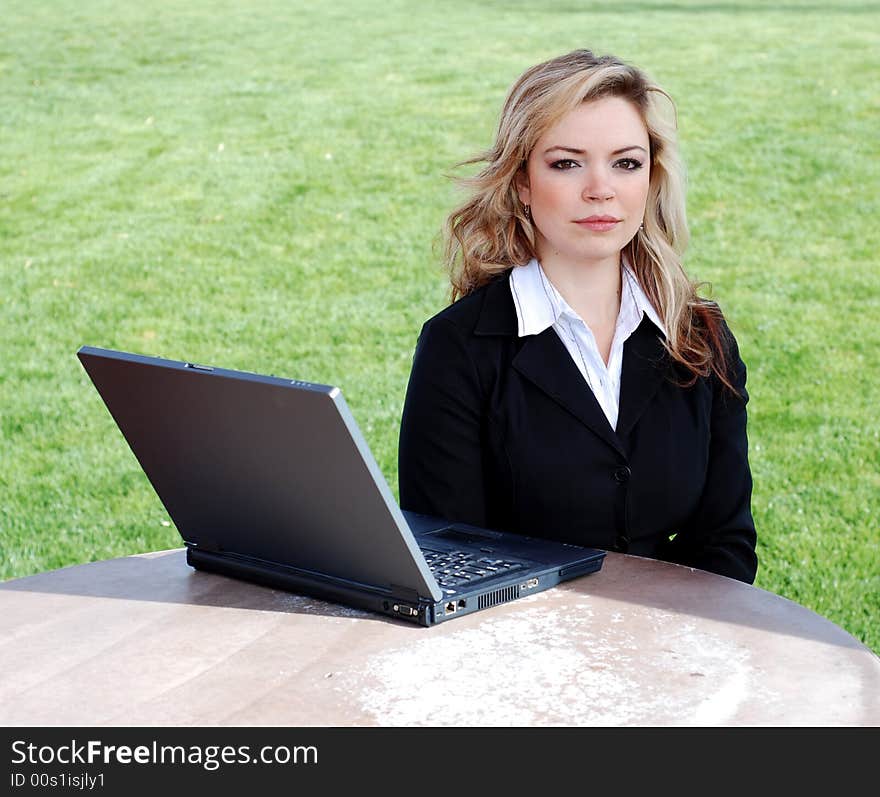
[539, 305]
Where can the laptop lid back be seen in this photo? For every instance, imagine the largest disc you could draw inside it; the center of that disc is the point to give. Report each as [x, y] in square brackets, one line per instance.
[261, 466]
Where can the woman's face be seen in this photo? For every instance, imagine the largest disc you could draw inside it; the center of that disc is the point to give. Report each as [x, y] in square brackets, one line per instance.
[586, 183]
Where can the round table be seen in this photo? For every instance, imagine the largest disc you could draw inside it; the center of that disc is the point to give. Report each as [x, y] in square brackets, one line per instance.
[146, 641]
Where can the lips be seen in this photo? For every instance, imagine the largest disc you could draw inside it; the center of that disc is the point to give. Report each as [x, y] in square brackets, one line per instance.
[599, 223]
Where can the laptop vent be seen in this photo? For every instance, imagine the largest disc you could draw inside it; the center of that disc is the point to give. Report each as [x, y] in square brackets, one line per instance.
[498, 596]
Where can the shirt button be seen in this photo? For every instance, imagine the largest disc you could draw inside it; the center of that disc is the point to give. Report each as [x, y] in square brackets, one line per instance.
[621, 543]
[621, 475]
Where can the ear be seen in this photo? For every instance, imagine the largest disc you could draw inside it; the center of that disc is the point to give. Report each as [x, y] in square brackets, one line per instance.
[521, 183]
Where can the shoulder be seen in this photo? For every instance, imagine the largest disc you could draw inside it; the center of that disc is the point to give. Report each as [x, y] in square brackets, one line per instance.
[488, 310]
[462, 313]
[725, 351]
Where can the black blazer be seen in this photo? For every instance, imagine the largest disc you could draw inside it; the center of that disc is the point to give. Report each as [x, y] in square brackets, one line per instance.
[503, 432]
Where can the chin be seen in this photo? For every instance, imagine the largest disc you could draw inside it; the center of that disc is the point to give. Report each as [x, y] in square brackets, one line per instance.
[601, 253]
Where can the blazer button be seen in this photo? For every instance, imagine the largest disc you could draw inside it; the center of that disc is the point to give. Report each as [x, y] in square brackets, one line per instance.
[621, 543]
[621, 475]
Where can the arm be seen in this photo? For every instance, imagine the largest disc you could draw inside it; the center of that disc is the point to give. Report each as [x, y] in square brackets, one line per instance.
[440, 456]
[721, 535]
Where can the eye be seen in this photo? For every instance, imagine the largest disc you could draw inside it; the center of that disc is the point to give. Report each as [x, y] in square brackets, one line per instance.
[564, 165]
[629, 164]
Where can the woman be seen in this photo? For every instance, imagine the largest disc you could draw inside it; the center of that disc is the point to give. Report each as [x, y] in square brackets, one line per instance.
[578, 388]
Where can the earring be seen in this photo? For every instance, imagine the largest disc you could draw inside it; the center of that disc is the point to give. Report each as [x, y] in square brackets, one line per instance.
[528, 212]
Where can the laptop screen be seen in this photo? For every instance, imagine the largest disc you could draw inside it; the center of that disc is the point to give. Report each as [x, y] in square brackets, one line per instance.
[260, 466]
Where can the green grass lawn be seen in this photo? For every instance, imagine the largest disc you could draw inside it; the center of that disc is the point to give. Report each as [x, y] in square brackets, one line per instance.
[261, 185]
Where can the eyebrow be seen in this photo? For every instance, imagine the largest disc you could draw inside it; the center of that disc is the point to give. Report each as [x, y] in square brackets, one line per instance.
[576, 151]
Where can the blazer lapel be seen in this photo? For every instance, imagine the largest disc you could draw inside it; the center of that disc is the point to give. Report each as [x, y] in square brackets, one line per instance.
[646, 364]
[544, 361]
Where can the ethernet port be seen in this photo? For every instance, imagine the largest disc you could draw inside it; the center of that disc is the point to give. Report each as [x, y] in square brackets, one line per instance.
[451, 607]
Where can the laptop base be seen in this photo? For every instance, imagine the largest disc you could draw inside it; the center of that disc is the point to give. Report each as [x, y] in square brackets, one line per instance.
[403, 605]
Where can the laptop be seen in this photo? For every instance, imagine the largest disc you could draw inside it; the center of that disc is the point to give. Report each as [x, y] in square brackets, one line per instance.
[270, 480]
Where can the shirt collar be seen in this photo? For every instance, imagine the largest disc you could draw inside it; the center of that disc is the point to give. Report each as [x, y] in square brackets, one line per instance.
[640, 300]
[536, 301]
[539, 305]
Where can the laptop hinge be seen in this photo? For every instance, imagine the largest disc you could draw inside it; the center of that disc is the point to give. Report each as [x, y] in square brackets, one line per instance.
[404, 594]
[208, 545]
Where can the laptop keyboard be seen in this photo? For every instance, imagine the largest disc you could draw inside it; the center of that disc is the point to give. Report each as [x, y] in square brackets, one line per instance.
[455, 568]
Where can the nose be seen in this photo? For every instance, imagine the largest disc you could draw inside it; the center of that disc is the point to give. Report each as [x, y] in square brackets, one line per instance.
[597, 186]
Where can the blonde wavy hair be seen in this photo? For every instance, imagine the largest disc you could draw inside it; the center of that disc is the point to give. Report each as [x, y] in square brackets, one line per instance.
[491, 232]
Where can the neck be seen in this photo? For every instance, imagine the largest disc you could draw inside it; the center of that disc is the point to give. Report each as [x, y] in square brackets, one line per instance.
[591, 288]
